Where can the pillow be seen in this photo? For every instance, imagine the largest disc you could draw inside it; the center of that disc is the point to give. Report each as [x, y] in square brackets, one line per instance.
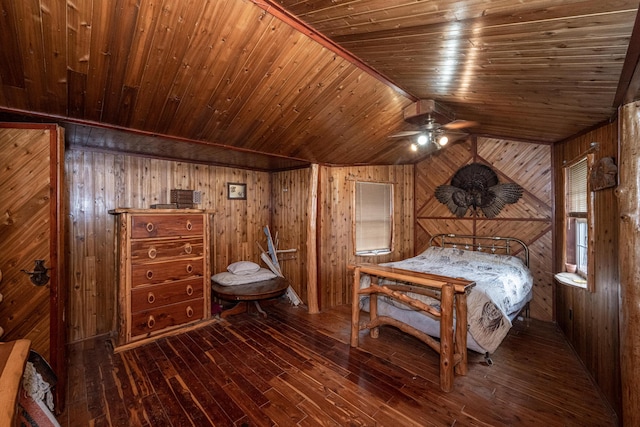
[243, 268]
[228, 279]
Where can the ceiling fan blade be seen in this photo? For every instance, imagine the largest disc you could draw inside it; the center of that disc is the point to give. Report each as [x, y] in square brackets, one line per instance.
[456, 136]
[460, 124]
[405, 133]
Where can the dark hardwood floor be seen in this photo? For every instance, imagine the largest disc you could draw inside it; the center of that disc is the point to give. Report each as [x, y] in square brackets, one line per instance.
[298, 369]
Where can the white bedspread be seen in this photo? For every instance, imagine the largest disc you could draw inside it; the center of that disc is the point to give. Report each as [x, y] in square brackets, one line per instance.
[503, 286]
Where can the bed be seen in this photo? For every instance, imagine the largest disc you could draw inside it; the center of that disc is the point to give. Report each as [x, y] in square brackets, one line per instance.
[499, 286]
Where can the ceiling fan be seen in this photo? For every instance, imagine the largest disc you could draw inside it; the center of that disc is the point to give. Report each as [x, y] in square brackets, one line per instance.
[431, 132]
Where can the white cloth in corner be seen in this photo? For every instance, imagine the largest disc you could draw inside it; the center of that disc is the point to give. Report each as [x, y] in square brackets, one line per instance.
[36, 387]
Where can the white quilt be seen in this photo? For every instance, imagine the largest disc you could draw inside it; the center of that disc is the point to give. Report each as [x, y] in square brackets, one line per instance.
[503, 286]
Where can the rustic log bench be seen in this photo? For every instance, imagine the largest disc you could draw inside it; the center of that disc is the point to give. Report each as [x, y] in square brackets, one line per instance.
[452, 346]
[249, 292]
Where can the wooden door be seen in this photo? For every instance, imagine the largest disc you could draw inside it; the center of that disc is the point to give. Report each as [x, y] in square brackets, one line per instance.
[31, 229]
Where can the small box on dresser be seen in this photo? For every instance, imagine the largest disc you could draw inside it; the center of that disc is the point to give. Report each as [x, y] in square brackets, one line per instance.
[163, 272]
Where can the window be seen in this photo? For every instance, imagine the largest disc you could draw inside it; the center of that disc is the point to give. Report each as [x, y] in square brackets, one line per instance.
[577, 217]
[373, 218]
[581, 246]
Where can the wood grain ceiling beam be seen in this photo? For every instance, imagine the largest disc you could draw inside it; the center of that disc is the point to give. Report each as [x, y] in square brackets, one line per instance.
[63, 120]
[629, 82]
[277, 11]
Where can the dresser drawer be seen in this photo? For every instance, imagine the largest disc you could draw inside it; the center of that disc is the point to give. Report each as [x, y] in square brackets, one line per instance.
[150, 321]
[156, 250]
[146, 226]
[159, 272]
[148, 297]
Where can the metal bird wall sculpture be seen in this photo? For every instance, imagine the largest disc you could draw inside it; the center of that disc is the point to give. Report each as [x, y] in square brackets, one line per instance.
[476, 186]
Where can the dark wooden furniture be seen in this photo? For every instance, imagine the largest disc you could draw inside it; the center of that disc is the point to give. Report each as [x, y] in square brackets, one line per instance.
[452, 346]
[250, 292]
[163, 271]
[13, 357]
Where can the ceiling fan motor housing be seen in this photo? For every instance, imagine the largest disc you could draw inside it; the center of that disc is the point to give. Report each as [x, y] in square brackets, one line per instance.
[420, 111]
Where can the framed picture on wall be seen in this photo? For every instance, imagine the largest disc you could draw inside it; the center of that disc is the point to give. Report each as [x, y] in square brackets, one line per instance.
[236, 191]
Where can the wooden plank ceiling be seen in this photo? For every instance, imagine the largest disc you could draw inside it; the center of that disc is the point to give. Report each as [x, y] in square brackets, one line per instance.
[321, 81]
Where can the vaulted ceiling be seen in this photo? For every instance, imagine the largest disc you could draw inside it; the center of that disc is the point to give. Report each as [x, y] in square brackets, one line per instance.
[272, 85]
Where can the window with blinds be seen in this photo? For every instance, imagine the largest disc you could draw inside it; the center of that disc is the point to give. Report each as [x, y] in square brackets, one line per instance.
[577, 206]
[577, 189]
[373, 218]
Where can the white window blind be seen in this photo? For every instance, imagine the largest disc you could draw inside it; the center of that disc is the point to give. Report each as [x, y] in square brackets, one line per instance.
[577, 188]
[373, 217]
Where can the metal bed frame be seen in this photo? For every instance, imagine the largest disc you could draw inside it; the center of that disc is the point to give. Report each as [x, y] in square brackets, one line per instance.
[493, 244]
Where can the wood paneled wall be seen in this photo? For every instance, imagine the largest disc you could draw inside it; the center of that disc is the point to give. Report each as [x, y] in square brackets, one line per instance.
[336, 241]
[590, 319]
[529, 219]
[97, 182]
[289, 194]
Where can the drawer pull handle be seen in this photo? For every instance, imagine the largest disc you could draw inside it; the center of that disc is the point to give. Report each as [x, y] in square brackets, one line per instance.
[189, 225]
[189, 268]
[151, 322]
[188, 248]
[151, 298]
[189, 290]
[149, 274]
[152, 253]
[189, 311]
[150, 227]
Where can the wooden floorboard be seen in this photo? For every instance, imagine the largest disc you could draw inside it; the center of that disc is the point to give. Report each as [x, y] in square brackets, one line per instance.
[296, 369]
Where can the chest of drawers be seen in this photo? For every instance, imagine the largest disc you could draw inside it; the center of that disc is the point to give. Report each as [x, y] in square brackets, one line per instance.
[163, 272]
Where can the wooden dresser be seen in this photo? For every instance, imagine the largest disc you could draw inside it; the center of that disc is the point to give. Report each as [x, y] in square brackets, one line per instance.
[163, 272]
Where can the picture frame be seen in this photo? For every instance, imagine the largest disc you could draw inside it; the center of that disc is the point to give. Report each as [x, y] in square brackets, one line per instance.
[236, 191]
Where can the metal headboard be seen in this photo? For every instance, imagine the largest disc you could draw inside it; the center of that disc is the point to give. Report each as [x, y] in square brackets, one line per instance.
[493, 244]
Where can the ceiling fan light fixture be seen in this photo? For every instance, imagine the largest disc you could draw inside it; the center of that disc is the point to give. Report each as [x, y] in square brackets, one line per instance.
[430, 133]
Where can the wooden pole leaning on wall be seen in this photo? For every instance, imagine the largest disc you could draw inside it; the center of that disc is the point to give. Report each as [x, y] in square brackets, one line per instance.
[628, 195]
[312, 249]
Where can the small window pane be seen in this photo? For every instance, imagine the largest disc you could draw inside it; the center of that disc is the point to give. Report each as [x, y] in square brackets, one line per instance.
[374, 207]
[581, 245]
